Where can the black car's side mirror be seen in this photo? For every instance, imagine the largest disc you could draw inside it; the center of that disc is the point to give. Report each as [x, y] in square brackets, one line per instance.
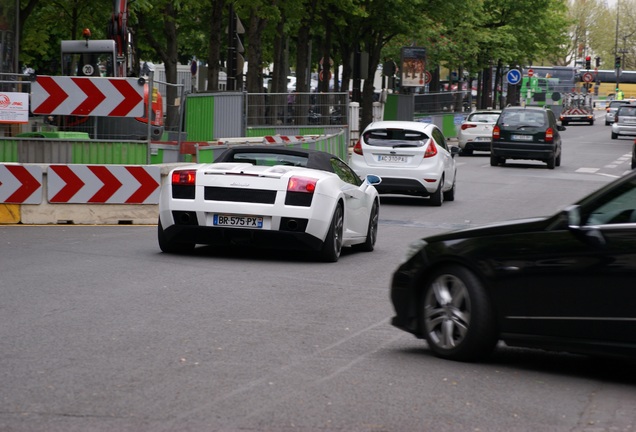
[590, 234]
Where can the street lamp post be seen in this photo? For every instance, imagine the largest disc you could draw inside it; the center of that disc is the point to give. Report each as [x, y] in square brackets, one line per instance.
[616, 55]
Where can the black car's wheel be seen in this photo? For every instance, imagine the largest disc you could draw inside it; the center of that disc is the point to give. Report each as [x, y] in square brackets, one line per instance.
[437, 198]
[332, 246]
[456, 316]
[614, 136]
[551, 161]
[372, 230]
[496, 160]
[171, 246]
[557, 162]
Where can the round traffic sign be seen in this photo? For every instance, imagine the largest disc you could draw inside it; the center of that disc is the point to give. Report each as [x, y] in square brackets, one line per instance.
[513, 76]
[530, 72]
[427, 77]
[588, 77]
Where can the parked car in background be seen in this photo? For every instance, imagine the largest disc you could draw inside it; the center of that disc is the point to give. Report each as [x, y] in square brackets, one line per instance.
[526, 133]
[412, 158]
[563, 283]
[610, 110]
[269, 196]
[624, 121]
[634, 155]
[475, 133]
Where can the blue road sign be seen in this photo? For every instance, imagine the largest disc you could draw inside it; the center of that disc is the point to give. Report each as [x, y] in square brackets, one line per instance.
[513, 76]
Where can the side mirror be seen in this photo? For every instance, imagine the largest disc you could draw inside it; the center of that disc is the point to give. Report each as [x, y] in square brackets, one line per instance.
[373, 179]
[454, 151]
[589, 234]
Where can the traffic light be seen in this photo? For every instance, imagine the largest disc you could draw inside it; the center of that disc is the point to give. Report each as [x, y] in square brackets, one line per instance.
[617, 62]
[588, 62]
[598, 61]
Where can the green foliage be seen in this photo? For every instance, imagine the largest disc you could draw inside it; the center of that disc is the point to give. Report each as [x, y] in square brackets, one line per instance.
[455, 33]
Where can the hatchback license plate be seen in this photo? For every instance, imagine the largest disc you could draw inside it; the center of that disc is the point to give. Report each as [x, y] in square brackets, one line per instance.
[391, 158]
[237, 221]
[521, 137]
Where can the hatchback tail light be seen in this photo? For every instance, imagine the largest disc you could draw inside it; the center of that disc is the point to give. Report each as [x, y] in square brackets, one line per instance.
[357, 149]
[301, 184]
[496, 133]
[184, 177]
[549, 135]
[431, 149]
[468, 126]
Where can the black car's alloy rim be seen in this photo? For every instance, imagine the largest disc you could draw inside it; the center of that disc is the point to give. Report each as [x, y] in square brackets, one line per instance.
[447, 311]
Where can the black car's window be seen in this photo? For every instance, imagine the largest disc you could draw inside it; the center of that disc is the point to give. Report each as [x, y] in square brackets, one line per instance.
[523, 118]
[438, 136]
[270, 159]
[394, 138]
[620, 207]
[345, 173]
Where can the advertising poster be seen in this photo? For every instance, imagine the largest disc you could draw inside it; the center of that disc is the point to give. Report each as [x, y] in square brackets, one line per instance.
[413, 66]
[14, 107]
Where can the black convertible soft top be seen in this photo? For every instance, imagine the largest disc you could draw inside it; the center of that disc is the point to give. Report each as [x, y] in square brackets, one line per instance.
[279, 155]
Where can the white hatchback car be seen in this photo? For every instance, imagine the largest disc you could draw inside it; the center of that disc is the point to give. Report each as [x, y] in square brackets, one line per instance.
[412, 158]
[475, 133]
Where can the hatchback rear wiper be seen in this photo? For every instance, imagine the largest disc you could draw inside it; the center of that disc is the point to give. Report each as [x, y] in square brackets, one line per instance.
[525, 126]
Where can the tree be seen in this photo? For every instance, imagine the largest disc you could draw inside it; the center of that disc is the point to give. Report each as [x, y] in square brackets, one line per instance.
[164, 42]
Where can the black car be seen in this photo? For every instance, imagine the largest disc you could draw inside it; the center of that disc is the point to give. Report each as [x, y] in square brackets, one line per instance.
[634, 155]
[526, 133]
[564, 283]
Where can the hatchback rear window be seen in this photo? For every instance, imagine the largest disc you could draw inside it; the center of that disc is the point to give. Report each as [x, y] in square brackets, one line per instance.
[616, 104]
[395, 138]
[627, 111]
[483, 118]
[523, 118]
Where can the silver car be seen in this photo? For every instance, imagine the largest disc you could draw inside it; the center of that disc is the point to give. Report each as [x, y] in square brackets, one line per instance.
[611, 109]
[624, 121]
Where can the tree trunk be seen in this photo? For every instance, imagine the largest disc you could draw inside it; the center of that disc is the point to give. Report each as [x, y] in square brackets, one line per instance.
[214, 44]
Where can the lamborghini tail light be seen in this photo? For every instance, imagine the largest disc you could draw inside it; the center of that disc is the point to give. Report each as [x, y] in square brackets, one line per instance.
[184, 177]
[301, 184]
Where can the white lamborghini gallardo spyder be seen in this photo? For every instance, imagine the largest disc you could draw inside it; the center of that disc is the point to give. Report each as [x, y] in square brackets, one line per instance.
[269, 196]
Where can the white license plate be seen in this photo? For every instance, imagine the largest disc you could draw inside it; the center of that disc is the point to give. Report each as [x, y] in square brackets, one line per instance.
[521, 137]
[482, 139]
[237, 221]
[391, 158]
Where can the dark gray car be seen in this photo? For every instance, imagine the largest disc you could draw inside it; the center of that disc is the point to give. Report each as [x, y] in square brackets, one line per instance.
[526, 133]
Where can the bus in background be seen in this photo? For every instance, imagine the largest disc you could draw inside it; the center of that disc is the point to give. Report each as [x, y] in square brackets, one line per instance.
[536, 90]
[605, 80]
[564, 78]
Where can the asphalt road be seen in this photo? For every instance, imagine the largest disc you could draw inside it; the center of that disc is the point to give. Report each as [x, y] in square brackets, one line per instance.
[100, 331]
